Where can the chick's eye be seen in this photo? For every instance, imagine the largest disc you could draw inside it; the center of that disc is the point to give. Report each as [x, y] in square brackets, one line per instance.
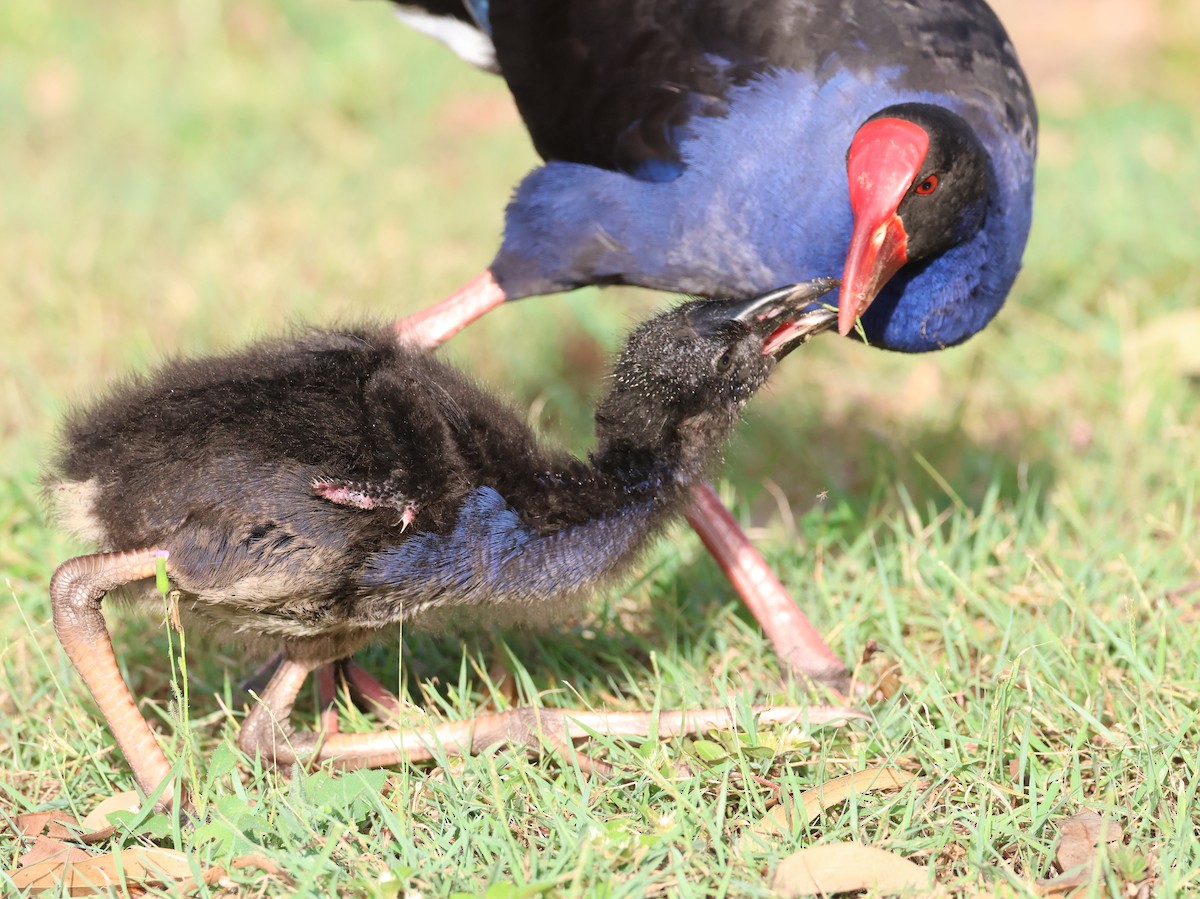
[724, 362]
[928, 186]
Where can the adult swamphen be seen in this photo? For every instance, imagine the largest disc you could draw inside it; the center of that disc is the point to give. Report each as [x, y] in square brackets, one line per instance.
[723, 147]
[311, 493]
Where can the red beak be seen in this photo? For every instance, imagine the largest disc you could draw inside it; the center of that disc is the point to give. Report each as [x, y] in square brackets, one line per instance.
[885, 158]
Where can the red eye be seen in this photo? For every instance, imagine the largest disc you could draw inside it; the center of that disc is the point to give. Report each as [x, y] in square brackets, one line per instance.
[928, 186]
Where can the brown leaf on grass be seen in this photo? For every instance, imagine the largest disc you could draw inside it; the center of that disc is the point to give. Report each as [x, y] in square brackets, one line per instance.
[56, 825]
[46, 849]
[256, 861]
[96, 826]
[809, 804]
[138, 867]
[1082, 834]
[846, 868]
[882, 673]
[211, 877]
[888, 678]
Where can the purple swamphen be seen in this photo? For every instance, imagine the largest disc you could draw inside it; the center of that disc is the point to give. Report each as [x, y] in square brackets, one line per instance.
[310, 494]
[725, 147]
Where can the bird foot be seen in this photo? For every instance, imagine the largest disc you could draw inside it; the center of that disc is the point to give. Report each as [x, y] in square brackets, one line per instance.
[875, 678]
[267, 730]
[798, 668]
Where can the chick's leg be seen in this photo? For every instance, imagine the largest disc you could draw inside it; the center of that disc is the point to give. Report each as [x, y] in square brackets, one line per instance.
[76, 591]
[362, 688]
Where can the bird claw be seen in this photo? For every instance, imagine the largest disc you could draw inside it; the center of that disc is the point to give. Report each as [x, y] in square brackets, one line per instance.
[407, 515]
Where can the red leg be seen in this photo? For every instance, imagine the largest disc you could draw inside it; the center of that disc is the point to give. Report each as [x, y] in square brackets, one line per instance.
[327, 687]
[76, 591]
[799, 646]
[368, 693]
[443, 320]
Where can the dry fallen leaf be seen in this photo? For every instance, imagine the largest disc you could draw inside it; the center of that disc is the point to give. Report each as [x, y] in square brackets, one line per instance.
[844, 868]
[56, 825]
[257, 861]
[809, 804]
[135, 867]
[96, 826]
[46, 849]
[1075, 857]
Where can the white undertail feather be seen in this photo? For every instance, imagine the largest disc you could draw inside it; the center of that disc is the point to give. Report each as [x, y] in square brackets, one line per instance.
[471, 44]
[73, 505]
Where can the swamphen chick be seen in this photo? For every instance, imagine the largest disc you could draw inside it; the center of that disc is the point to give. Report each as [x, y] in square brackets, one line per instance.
[311, 493]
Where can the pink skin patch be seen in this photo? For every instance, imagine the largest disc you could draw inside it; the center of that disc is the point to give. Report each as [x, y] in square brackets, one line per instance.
[407, 515]
[344, 495]
[357, 497]
[779, 337]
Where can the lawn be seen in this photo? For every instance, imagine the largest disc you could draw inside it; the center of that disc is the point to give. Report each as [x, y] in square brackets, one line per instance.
[1015, 523]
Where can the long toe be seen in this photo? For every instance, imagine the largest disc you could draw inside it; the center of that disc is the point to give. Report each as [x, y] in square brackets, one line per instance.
[554, 730]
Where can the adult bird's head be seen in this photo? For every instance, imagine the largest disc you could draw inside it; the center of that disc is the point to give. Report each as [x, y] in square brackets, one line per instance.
[918, 186]
[701, 148]
[684, 377]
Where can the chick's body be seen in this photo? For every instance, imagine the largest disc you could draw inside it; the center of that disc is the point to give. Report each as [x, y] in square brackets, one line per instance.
[219, 461]
[308, 493]
[215, 461]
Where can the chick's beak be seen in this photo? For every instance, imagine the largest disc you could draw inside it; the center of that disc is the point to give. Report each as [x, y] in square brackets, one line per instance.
[787, 316]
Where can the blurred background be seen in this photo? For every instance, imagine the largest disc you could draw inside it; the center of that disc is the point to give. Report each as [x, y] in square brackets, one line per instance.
[180, 177]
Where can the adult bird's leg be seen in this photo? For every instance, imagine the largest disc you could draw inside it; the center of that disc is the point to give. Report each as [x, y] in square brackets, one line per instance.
[268, 731]
[799, 646]
[443, 320]
[76, 591]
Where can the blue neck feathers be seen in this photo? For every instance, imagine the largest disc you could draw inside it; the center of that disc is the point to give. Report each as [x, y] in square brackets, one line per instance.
[492, 556]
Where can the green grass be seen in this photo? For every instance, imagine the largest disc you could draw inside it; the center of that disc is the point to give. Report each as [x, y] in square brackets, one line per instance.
[1008, 520]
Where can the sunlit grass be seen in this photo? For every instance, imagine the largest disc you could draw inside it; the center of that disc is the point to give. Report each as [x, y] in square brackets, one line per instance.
[1014, 522]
